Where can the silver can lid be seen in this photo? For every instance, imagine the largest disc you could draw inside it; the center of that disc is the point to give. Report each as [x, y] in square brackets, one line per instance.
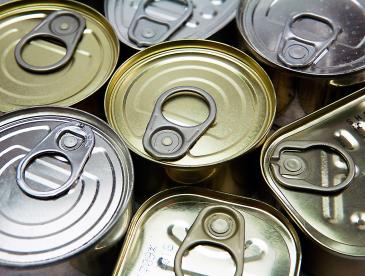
[309, 37]
[65, 178]
[143, 23]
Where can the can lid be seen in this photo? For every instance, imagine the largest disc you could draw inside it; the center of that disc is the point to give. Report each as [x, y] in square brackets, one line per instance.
[314, 166]
[308, 37]
[243, 95]
[216, 235]
[66, 178]
[143, 23]
[54, 53]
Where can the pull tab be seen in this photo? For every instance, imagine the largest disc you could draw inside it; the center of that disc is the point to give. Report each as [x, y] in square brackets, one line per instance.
[219, 226]
[62, 26]
[294, 166]
[300, 52]
[146, 30]
[73, 141]
[165, 140]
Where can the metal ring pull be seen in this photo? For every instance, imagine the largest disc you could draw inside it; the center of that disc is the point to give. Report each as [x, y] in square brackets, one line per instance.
[219, 226]
[62, 26]
[146, 30]
[73, 141]
[300, 52]
[166, 140]
[302, 184]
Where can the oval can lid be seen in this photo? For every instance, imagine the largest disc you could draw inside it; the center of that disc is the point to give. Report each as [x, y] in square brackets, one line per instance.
[91, 65]
[272, 246]
[36, 231]
[311, 37]
[243, 94]
[208, 17]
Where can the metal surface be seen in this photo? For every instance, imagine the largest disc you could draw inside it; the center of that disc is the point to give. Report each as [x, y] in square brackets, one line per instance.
[165, 140]
[92, 63]
[335, 25]
[160, 226]
[314, 50]
[146, 31]
[218, 226]
[63, 26]
[208, 17]
[334, 222]
[90, 217]
[243, 94]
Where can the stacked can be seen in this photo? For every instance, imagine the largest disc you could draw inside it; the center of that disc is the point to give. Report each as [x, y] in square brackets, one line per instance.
[194, 113]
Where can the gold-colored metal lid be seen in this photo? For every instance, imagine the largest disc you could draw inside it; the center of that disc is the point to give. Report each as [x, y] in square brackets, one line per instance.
[243, 94]
[161, 224]
[93, 61]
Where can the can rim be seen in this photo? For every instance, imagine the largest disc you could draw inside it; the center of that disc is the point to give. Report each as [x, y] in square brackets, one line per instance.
[182, 44]
[128, 177]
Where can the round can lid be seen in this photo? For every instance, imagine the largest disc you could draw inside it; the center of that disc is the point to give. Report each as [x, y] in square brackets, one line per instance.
[308, 37]
[36, 230]
[92, 63]
[207, 17]
[243, 94]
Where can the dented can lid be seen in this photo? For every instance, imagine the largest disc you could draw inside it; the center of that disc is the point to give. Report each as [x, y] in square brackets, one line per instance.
[217, 234]
[190, 103]
[143, 23]
[37, 71]
[308, 37]
[315, 168]
[66, 179]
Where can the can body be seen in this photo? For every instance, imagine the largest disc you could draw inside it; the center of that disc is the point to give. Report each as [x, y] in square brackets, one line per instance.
[237, 89]
[37, 71]
[194, 20]
[169, 214]
[314, 166]
[67, 185]
[314, 52]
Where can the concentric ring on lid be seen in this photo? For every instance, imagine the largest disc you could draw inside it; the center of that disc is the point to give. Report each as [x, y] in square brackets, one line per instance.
[242, 91]
[315, 37]
[35, 231]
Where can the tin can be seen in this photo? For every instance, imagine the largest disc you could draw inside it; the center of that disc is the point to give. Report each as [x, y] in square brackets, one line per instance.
[143, 23]
[214, 233]
[190, 106]
[53, 53]
[66, 191]
[314, 166]
[315, 48]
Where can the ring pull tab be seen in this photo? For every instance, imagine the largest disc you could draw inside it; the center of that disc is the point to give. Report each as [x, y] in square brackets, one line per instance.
[295, 166]
[295, 51]
[219, 226]
[62, 26]
[146, 30]
[165, 140]
[73, 141]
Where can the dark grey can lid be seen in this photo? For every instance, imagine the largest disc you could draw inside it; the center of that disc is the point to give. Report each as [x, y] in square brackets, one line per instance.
[312, 37]
[39, 222]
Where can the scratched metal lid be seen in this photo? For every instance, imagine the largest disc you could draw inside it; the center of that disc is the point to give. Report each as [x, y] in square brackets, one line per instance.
[190, 103]
[261, 240]
[36, 69]
[315, 168]
[51, 208]
[143, 23]
[310, 37]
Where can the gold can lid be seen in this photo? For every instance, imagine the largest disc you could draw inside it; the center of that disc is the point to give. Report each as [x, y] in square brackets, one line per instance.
[243, 94]
[91, 64]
